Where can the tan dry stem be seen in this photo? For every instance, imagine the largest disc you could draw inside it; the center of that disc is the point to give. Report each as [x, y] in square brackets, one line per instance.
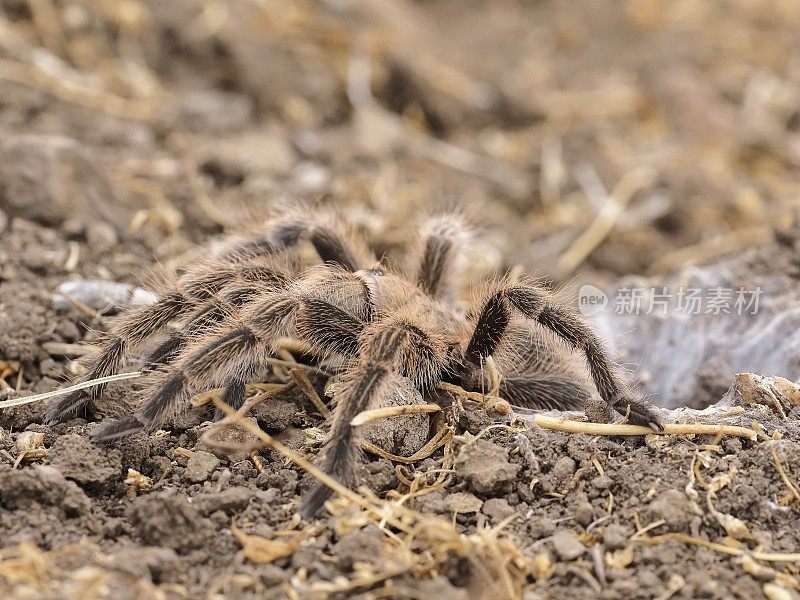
[367, 416]
[569, 426]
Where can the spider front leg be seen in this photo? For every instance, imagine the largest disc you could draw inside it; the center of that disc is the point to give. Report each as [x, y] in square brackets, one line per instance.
[388, 351]
[319, 322]
[536, 303]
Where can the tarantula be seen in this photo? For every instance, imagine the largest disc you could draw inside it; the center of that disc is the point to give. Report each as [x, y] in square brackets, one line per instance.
[386, 328]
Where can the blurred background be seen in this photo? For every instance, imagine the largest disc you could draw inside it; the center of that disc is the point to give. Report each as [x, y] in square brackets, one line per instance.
[614, 137]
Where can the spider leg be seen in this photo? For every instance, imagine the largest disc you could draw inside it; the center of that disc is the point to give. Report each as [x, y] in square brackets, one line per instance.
[332, 242]
[205, 317]
[388, 351]
[198, 286]
[194, 288]
[536, 303]
[539, 373]
[321, 323]
[546, 391]
[332, 247]
[441, 245]
[131, 330]
[233, 354]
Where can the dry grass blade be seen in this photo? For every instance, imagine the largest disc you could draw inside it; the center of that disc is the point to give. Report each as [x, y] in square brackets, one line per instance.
[613, 206]
[436, 442]
[295, 365]
[361, 582]
[267, 388]
[495, 404]
[25, 563]
[62, 349]
[203, 199]
[305, 385]
[722, 548]
[60, 392]
[99, 100]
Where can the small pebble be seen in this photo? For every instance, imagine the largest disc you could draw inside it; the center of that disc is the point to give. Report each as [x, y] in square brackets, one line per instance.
[200, 466]
[615, 537]
[564, 468]
[541, 527]
[74, 227]
[463, 502]
[485, 467]
[602, 482]
[567, 546]
[497, 509]
[228, 501]
[675, 508]
[101, 295]
[583, 513]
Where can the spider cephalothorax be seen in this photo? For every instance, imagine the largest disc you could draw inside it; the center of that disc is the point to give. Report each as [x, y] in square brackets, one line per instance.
[386, 330]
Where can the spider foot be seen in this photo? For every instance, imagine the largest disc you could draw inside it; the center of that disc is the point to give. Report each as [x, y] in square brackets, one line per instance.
[115, 429]
[639, 412]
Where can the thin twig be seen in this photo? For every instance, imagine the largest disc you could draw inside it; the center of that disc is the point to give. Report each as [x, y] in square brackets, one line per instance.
[440, 439]
[304, 383]
[374, 414]
[251, 388]
[295, 365]
[567, 425]
[62, 349]
[782, 472]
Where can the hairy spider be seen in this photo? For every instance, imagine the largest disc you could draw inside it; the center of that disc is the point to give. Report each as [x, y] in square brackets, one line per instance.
[388, 330]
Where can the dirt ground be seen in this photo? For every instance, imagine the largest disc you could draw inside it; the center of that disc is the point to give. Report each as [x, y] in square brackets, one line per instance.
[587, 142]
